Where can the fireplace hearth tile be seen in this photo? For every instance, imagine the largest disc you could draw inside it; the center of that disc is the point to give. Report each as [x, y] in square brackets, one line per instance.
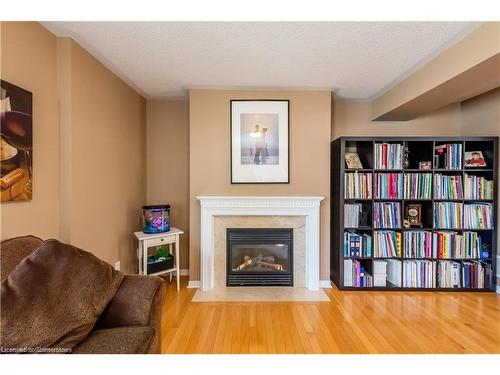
[259, 294]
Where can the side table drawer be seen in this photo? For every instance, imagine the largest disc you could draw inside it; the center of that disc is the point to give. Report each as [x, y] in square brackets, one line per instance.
[159, 241]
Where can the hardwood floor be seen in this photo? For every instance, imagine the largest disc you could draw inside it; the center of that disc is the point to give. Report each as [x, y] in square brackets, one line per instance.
[352, 322]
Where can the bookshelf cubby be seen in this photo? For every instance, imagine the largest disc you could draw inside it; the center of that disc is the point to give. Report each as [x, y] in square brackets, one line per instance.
[417, 252]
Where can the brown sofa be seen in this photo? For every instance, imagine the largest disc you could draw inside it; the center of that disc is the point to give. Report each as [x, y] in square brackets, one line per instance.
[130, 322]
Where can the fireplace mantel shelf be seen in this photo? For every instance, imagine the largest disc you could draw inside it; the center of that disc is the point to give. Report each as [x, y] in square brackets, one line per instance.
[307, 206]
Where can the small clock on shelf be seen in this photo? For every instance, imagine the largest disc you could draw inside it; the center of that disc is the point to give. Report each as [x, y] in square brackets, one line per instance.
[414, 215]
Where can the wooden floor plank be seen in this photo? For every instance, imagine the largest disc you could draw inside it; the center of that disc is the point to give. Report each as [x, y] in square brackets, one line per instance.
[351, 322]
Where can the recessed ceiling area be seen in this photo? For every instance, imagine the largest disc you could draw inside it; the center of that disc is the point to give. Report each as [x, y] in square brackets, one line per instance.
[356, 60]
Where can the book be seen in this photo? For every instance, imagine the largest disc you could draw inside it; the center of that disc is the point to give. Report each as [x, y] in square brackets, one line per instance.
[352, 160]
[418, 244]
[477, 187]
[379, 273]
[355, 275]
[388, 155]
[352, 215]
[388, 185]
[478, 216]
[394, 271]
[387, 215]
[448, 187]
[357, 245]
[476, 274]
[449, 274]
[448, 215]
[474, 159]
[358, 185]
[418, 186]
[448, 244]
[386, 244]
[348, 267]
[448, 156]
[419, 274]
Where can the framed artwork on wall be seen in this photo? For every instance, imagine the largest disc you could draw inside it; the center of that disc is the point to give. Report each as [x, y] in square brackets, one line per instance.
[260, 141]
[16, 143]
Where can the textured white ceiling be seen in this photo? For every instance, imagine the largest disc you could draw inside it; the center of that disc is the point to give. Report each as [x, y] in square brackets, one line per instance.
[355, 59]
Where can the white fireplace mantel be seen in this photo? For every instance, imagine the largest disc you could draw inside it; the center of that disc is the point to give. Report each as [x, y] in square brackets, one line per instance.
[306, 206]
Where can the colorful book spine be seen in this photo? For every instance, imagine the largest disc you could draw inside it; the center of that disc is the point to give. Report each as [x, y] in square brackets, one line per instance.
[388, 156]
[387, 244]
[478, 187]
[358, 185]
[478, 216]
[448, 215]
[418, 244]
[387, 215]
[388, 185]
[418, 186]
[448, 187]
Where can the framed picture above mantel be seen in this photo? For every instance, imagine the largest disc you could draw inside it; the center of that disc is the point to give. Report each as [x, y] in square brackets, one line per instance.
[260, 141]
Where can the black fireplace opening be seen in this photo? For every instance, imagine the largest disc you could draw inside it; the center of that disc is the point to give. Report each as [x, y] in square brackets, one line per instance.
[259, 257]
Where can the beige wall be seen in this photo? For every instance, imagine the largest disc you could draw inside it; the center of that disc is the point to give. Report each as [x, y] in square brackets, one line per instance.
[89, 140]
[481, 117]
[210, 160]
[476, 48]
[108, 165]
[28, 60]
[168, 163]
[354, 118]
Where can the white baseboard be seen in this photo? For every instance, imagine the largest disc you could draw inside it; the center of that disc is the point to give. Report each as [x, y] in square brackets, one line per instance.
[325, 284]
[184, 272]
[193, 284]
[498, 289]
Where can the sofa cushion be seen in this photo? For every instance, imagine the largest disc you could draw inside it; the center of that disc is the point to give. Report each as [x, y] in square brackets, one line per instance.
[118, 340]
[53, 298]
[14, 250]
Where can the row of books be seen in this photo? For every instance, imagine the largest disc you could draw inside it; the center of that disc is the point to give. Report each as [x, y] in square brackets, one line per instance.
[418, 244]
[449, 274]
[468, 245]
[447, 187]
[358, 185]
[355, 275]
[380, 272]
[419, 274]
[388, 156]
[448, 156]
[478, 216]
[386, 244]
[477, 187]
[418, 186]
[352, 213]
[448, 215]
[388, 185]
[387, 215]
[477, 275]
[357, 245]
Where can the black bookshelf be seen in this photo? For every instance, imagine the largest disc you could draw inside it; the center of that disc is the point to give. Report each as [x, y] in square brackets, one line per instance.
[420, 149]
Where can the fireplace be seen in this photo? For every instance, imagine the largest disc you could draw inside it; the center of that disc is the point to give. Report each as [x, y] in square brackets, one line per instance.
[259, 257]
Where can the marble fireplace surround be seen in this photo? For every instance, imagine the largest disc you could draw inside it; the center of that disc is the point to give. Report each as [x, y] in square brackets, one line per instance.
[220, 212]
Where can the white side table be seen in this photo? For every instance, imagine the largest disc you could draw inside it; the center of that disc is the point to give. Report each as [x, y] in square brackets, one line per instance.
[152, 241]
